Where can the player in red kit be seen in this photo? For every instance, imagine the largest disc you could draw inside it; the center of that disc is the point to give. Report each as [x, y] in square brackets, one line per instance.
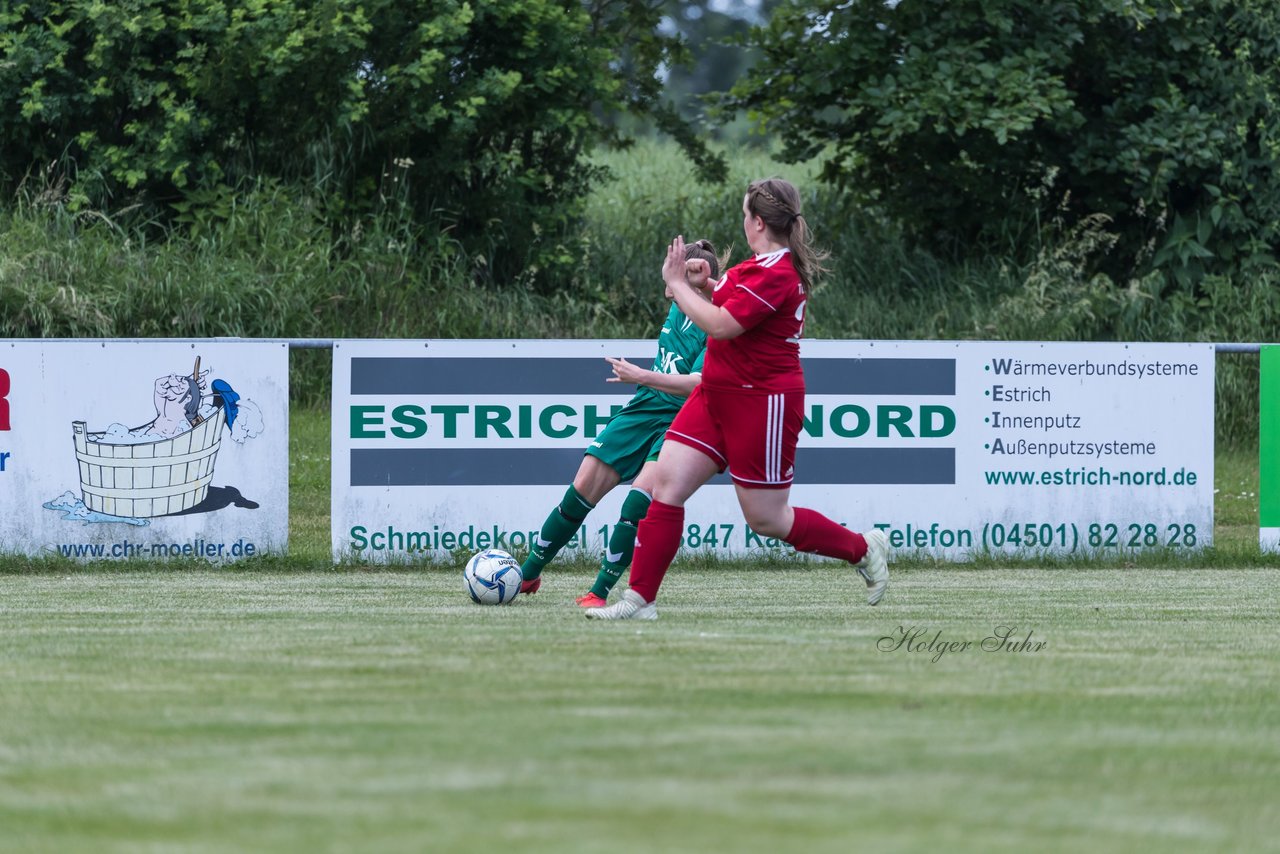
[747, 412]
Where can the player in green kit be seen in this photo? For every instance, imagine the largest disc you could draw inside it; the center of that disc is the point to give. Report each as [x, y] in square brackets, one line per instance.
[628, 446]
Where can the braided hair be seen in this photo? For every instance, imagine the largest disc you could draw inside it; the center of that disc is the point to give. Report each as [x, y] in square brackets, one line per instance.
[777, 202]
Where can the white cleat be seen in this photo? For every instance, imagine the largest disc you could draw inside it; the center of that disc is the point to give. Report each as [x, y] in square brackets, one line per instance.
[631, 607]
[874, 567]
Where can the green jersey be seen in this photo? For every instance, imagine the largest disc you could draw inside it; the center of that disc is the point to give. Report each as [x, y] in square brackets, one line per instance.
[635, 434]
[681, 349]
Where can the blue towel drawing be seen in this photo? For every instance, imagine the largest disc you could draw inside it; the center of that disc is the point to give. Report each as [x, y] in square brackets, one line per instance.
[229, 398]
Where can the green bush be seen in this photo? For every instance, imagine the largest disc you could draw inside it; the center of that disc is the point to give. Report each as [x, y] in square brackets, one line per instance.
[975, 123]
[471, 118]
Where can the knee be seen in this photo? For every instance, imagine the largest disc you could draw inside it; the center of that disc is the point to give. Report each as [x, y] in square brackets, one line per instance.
[667, 493]
[663, 485]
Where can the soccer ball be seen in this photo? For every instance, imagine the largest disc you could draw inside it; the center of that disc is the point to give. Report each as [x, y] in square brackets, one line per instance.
[492, 577]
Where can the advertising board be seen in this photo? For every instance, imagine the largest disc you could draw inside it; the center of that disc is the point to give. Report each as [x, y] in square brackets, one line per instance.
[144, 449]
[953, 448]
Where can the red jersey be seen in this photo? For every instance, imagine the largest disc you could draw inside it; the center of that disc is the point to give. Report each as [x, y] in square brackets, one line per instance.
[765, 295]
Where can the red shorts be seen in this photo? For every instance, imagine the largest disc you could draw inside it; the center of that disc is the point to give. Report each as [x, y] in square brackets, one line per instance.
[753, 434]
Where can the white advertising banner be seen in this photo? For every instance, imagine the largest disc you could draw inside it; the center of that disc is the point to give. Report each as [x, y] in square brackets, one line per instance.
[953, 448]
[144, 450]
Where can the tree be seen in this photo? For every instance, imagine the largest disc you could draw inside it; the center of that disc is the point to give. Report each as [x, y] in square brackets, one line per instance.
[966, 119]
[475, 116]
[717, 55]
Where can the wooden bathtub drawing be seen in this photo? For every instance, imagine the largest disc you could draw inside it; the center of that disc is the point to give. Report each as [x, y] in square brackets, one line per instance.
[151, 478]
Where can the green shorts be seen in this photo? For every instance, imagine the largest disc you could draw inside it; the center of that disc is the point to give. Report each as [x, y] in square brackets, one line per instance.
[633, 436]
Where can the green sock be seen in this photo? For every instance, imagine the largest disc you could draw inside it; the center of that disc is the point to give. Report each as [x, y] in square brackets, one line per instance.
[562, 523]
[622, 544]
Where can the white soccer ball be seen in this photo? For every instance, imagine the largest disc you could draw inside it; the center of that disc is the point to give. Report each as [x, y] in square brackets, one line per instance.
[492, 577]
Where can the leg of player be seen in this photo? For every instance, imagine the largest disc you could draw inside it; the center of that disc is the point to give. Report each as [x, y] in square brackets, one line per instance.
[593, 481]
[770, 514]
[622, 541]
[680, 471]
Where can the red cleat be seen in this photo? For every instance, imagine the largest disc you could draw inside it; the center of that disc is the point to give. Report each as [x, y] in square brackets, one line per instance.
[590, 600]
[531, 586]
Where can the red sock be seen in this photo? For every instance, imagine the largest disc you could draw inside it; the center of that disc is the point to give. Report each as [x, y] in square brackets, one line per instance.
[657, 541]
[813, 532]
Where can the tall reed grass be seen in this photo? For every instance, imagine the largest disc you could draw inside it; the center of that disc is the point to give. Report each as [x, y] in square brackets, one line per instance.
[264, 262]
[880, 287]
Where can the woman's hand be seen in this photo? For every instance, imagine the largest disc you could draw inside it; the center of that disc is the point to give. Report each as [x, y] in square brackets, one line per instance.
[625, 372]
[673, 269]
[696, 272]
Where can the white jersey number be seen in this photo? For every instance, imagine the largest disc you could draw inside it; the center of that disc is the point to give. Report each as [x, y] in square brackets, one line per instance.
[799, 317]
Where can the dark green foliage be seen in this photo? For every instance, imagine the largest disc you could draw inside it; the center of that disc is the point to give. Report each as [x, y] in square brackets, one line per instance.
[471, 118]
[977, 122]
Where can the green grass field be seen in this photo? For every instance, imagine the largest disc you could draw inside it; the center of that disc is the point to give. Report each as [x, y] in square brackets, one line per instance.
[380, 711]
[288, 705]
